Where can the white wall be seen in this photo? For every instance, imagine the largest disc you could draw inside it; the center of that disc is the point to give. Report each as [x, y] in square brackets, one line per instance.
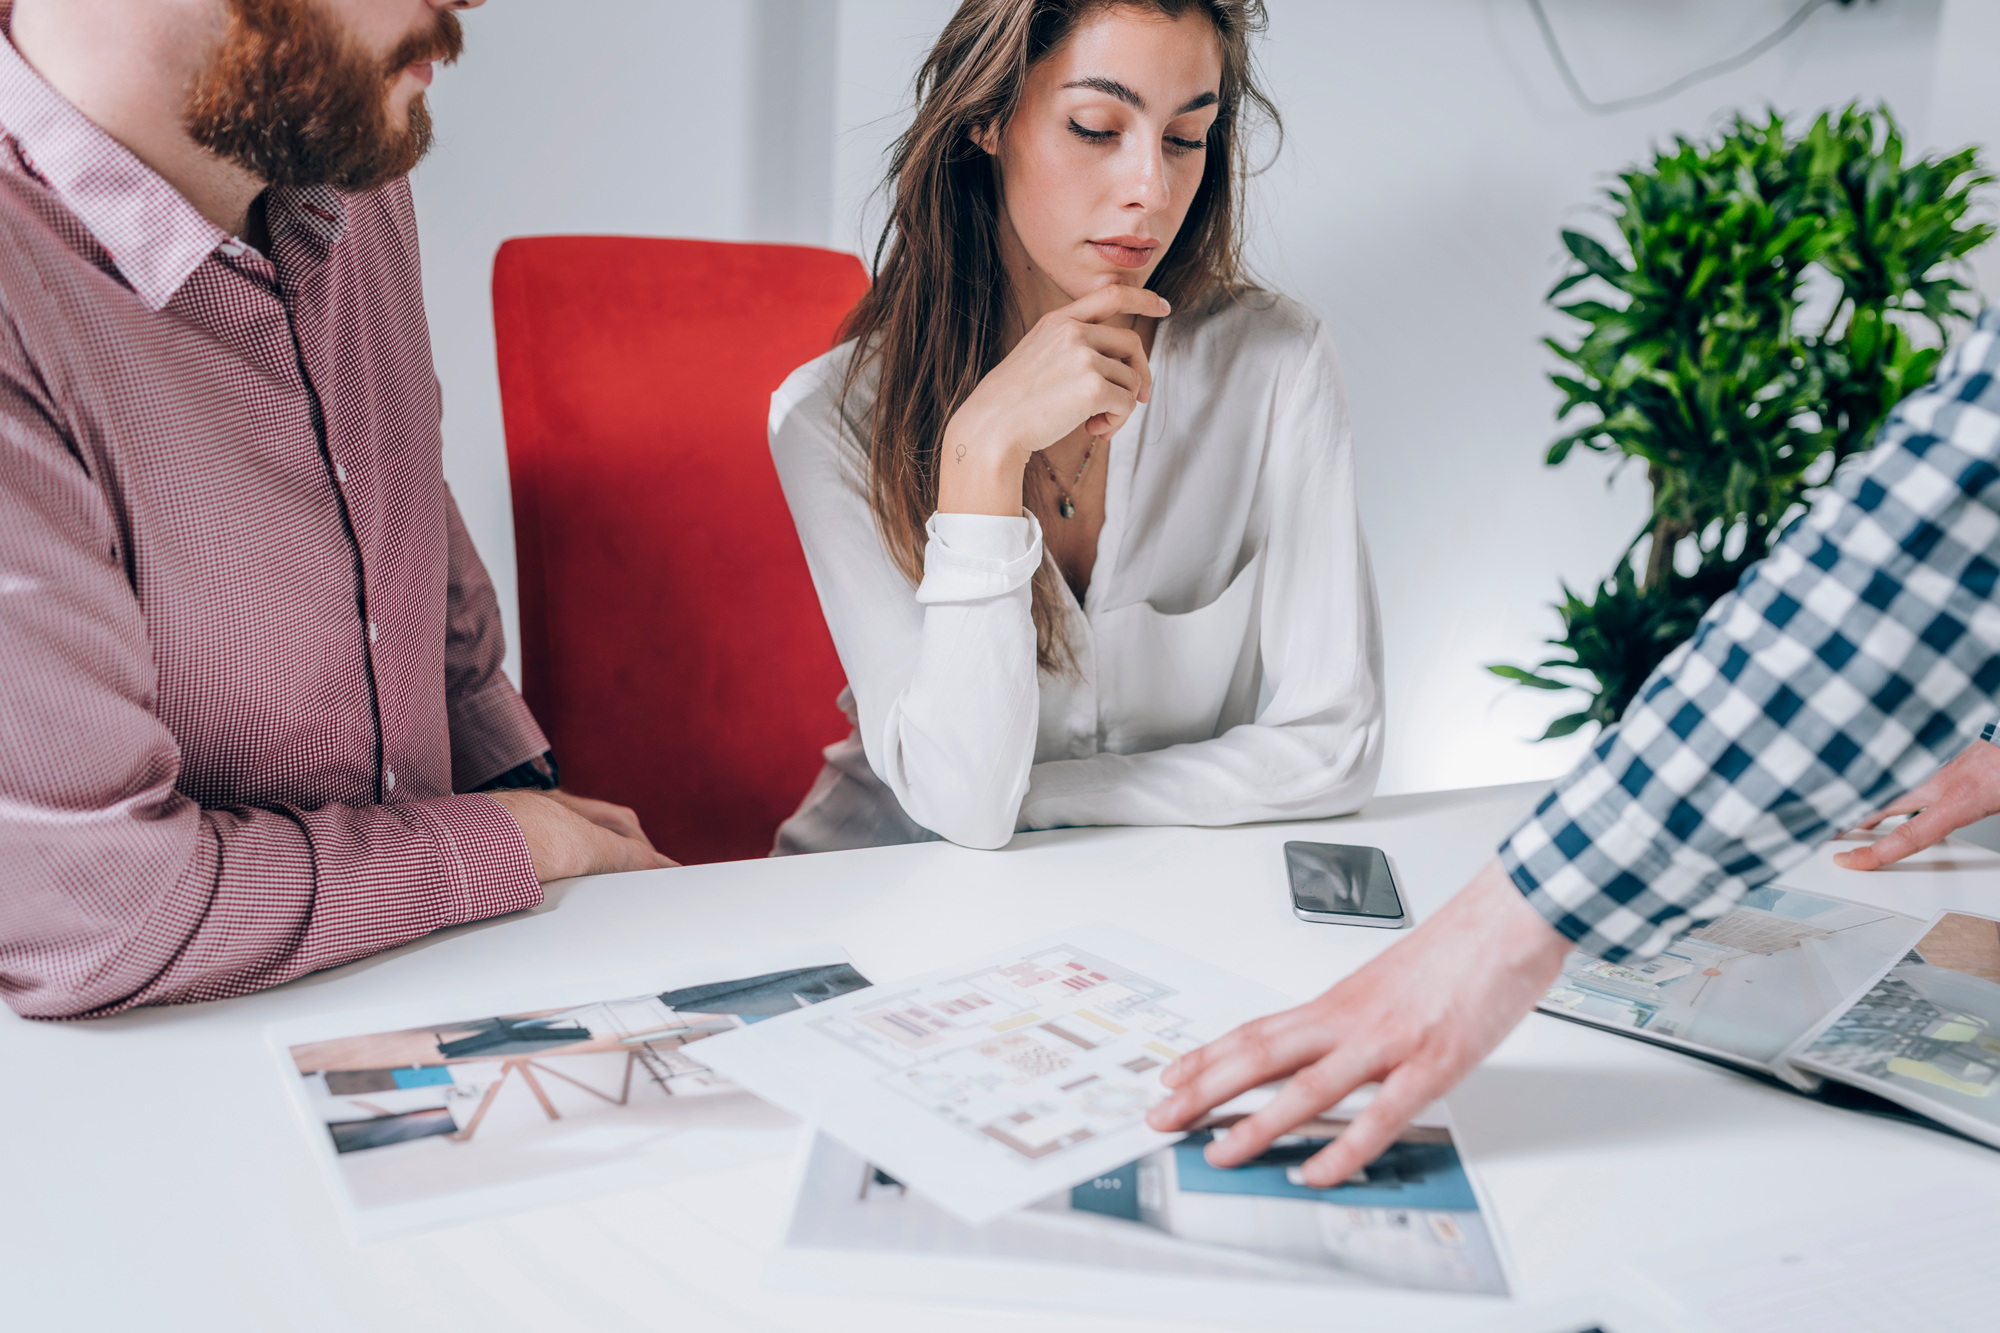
[1431, 158]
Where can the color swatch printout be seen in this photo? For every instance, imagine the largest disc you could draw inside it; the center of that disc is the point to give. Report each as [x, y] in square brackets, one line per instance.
[993, 1084]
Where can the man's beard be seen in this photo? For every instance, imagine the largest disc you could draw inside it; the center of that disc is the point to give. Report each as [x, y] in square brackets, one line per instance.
[294, 100]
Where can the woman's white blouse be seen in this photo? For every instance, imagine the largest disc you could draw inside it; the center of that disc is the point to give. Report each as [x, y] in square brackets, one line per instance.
[1229, 648]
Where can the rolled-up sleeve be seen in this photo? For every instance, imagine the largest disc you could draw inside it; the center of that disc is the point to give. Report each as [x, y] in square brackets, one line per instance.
[116, 889]
[1847, 666]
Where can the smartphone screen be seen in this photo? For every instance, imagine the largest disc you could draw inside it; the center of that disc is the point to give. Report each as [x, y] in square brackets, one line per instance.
[1342, 881]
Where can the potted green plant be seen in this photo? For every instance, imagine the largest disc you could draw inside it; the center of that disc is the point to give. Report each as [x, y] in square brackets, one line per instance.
[1776, 295]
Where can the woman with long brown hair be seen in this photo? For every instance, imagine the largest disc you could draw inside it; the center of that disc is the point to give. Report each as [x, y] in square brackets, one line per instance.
[1079, 499]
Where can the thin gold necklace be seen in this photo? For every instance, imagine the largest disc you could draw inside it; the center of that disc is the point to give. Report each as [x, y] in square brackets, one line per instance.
[1067, 507]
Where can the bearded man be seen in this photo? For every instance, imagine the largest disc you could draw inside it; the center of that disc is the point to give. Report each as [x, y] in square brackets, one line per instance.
[250, 685]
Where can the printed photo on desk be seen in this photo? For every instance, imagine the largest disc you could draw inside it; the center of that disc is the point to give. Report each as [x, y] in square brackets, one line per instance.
[427, 1122]
[1410, 1220]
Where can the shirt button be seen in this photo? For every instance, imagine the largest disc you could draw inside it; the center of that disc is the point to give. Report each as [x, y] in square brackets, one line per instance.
[389, 779]
[340, 472]
[371, 631]
[232, 248]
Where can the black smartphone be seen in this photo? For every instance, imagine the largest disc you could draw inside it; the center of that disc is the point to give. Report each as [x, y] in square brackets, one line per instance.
[1349, 886]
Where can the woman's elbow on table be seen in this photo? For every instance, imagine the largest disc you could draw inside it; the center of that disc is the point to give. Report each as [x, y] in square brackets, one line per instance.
[986, 825]
[969, 809]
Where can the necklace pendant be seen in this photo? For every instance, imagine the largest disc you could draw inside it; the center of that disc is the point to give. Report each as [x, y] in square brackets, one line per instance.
[1067, 508]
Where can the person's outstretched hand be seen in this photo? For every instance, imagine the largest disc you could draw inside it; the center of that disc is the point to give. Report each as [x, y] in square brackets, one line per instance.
[1416, 1020]
[1963, 792]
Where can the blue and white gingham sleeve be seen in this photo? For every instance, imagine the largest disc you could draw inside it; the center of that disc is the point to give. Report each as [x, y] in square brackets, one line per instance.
[1847, 666]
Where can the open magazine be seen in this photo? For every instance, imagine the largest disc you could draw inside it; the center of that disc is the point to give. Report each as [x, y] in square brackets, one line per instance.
[1410, 1220]
[1806, 988]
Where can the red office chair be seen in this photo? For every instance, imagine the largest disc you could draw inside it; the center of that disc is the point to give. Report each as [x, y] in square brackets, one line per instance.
[671, 642]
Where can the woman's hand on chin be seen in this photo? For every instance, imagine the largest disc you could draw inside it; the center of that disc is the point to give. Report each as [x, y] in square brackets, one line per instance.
[1072, 368]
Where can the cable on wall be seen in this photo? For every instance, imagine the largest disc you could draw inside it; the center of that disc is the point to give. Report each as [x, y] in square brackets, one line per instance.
[1678, 86]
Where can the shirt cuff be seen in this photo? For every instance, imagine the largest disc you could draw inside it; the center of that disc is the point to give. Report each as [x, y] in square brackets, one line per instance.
[1594, 864]
[974, 557]
[486, 862]
[492, 731]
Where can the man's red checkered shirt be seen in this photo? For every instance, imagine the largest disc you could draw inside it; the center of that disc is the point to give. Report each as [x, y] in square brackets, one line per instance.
[247, 651]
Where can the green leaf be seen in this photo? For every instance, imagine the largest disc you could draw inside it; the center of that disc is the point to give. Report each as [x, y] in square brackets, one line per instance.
[1566, 283]
[1528, 678]
[1564, 725]
[1593, 256]
[1595, 312]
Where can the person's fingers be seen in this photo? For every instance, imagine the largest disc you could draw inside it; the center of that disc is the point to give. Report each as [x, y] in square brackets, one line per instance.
[620, 853]
[1247, 1058]
[1404, 1093]
[1190, 1067]
[1310, 1091]
[1123, 374]
[1912, 802]
[1115, 300]
[628, 825]
[1924, 829]
[1113, 403]
[605, 814]
[617, 819]
[1123, 345]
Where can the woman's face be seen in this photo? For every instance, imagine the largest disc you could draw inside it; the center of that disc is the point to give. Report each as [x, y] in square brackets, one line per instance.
[1104, 154]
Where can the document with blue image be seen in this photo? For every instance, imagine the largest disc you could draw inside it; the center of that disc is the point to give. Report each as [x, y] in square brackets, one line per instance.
[1411, 1220]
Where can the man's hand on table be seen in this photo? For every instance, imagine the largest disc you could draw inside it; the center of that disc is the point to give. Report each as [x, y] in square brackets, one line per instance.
[1416, 1020]
[574, 835]
[1964, 791]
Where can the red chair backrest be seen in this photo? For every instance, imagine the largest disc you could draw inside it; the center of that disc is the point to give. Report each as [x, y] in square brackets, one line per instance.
[671, 642]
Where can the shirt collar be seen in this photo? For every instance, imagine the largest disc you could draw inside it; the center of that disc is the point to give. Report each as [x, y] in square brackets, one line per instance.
[155, 237]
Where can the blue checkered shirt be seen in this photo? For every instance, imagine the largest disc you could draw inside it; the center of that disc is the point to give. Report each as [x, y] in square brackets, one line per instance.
[1862, 654]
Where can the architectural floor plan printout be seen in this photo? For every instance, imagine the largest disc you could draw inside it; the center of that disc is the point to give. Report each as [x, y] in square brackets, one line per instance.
[1746, 986]
[422, 1119]
[995, 1083]
[1409, 1220]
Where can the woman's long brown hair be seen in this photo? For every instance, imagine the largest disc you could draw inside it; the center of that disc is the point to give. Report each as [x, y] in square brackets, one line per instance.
[934, 322]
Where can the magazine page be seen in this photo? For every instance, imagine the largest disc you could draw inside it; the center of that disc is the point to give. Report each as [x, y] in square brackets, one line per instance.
[1747, 986]
[1409, 1221]
[1927, 1034]
[431, 1114]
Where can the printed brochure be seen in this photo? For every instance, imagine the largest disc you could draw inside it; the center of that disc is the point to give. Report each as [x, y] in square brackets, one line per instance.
[1808, 989]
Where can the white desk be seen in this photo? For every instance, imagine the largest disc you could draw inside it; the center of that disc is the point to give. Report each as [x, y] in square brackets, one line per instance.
[153, 1176]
